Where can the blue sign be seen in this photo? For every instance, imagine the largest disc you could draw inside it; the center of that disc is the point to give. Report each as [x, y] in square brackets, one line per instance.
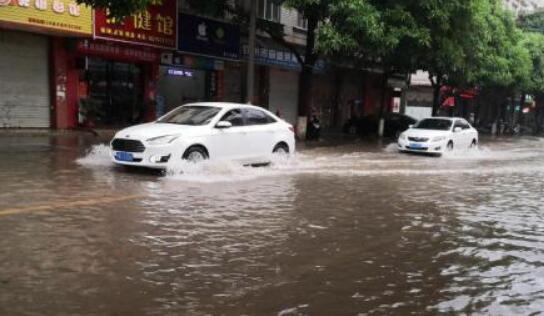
[283, 58]
[208, 37]
[273, 57]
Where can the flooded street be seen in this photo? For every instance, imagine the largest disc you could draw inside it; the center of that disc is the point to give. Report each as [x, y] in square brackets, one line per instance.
[356, 229]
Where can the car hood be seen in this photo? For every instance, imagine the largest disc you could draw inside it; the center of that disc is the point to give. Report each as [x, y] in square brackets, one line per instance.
[150, 130]
[413, 132]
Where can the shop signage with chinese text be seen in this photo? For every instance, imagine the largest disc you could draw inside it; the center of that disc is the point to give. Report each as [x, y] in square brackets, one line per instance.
[282, 58]
[273, 57]
[64, 17]
[113, 50]
[208, 37]
[155, 26]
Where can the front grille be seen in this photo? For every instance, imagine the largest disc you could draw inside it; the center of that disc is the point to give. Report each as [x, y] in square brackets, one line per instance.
[418, 139]
[128, 145]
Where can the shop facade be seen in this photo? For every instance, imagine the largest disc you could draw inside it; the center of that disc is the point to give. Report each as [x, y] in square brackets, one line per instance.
[118, 71]
[276, 78]
[33, 93]
[205, 66]
[116, 83]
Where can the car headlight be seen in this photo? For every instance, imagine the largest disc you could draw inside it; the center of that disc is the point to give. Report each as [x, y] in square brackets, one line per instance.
[402, 136]
[162, 140]
[439, 138]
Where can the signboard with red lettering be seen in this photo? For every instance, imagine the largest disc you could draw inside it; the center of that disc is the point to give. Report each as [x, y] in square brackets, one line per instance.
[155, 26]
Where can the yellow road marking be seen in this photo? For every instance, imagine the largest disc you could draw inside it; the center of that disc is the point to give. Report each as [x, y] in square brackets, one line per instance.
[66, 204]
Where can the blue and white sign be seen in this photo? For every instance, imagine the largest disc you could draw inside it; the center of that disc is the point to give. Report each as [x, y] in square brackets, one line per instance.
[273, 57]
[208, 37]
[278, 57]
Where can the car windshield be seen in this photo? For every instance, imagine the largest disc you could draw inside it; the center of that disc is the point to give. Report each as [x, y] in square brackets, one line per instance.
[434, 124]
[190, 115]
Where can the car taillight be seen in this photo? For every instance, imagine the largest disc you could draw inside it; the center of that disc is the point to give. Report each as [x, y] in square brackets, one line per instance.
[292, 129]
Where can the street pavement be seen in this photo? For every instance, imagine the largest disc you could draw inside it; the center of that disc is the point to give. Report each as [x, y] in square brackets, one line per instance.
[343, 228]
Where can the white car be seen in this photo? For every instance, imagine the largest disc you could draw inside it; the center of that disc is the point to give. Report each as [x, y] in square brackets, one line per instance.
[437, 135]
[199, 131]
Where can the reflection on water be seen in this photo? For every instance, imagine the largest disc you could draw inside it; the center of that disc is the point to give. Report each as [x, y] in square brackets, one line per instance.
[332, 231]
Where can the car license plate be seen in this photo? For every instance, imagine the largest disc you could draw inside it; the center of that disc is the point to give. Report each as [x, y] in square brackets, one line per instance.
[416, 145]
[123, 156]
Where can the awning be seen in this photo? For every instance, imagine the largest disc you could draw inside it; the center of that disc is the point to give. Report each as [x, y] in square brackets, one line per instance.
[449, 102]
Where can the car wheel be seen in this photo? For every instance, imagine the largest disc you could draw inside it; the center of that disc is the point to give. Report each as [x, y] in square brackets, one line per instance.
[474, 144]
[195, 154]
[281, 149]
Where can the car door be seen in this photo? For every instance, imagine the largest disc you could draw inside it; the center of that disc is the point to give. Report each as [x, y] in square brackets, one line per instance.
[229, 143]
[459, 136]
[467, 133]
[260, 134]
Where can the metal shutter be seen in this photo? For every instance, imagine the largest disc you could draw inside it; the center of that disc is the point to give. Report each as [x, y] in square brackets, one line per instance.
[24, 80]
[284, 94]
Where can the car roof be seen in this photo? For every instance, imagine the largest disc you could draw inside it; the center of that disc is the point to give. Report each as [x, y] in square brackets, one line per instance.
[445, 118]
[223, 105]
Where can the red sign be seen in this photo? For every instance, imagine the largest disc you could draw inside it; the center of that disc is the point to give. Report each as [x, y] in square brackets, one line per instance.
[117, 51]
[155, 26]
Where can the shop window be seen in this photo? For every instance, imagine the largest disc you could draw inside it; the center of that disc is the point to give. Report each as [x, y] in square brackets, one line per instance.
[116, 90]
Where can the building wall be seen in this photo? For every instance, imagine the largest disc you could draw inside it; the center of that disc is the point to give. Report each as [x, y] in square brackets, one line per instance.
[524, 6]
[293, 33]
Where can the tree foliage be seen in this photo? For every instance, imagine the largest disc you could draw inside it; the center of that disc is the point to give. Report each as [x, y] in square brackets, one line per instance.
[118, 9]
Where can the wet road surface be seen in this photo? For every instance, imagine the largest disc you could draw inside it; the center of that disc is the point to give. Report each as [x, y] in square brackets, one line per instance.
[348, 230]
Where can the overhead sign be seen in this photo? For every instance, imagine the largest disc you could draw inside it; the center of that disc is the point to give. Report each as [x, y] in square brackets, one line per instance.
[155, 26]
[50, 16]
[279, 57]
[273, 57]
[208, 37]
[117, 51]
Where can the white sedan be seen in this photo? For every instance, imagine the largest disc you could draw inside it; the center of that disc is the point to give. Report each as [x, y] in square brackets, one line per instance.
[200, 131]
[437, 135]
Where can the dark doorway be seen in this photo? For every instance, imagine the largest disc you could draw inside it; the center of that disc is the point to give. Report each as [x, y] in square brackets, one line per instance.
[117, 88]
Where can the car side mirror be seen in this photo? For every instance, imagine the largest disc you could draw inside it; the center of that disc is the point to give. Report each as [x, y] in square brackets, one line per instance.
[223, 124]
[411, 126]
[457, 130]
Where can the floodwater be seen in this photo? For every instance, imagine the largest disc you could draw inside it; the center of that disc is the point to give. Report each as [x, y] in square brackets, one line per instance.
[356, 229]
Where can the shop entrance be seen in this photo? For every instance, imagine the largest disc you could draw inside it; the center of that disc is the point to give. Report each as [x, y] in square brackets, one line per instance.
[116, 91]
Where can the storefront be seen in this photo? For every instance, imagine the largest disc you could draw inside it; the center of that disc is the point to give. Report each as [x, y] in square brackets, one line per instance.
[118, 71]
[187, 78]
[277, 78]
[206, 66]
[116, 83]
[33, 90]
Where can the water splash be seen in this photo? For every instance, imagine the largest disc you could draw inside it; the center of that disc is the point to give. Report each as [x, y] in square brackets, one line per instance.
[98, 156]
[495, 158]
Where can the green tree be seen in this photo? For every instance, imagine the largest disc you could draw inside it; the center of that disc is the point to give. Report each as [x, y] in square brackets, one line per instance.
[374, 34]
[533, 40]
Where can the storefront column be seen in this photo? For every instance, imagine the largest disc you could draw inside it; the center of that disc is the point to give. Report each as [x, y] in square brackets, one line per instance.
[151, 81]
[64, 86]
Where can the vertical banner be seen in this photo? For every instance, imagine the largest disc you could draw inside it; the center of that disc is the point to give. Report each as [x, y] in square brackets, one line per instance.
[155, 26]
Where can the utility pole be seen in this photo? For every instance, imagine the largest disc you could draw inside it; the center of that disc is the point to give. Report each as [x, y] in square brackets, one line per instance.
[251, 46]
